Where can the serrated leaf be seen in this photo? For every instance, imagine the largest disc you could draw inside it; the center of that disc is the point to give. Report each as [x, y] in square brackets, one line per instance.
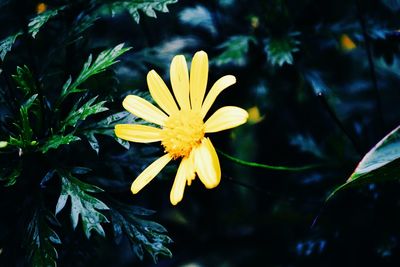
[25, 81]
[83, 112]
[280, 49]
[37, 22]
[143, 234]
[104, 60]
[234, 50]
[42, 240]
[57, 140]
[381, 163]
[7, 43]
[148, 7]
[83, 205]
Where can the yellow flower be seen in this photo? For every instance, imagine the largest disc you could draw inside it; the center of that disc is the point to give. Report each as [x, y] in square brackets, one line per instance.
[40, 8]
[346, 43]
[182, 128]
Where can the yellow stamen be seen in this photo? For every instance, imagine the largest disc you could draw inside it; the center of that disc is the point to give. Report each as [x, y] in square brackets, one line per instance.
[182, 132]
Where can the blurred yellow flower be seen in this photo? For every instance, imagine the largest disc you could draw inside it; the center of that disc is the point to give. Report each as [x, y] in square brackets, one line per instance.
[40, 8]
[346, 43]
[254, 115]
[182, 128]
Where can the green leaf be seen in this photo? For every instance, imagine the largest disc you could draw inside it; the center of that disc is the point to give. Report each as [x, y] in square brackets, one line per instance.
[25, 81]
[143, 234]
[280, 49]
[42, 240]
[148, 7]
[26, 130]
[82, 204]
[83, 112]
[381, 163]
[104, 60]
[234, 50]
[10, 178]
[57, 140]
[37, 22]
[7, 43]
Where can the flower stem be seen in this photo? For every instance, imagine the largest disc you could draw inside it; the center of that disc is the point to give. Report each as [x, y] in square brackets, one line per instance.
[265, 166]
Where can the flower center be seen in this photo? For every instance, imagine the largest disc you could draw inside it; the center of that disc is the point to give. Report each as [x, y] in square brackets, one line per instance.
[182, 132]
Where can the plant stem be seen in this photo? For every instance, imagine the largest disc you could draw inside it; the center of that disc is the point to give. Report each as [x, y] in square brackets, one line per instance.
[371, 65]
[265, 166]
[332, 113]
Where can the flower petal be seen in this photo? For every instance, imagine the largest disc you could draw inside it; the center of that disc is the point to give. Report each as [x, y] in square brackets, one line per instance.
[198, 79]
[180, 81]
[160, 93]
[149, 173]
[178, 187]
[207, 164]
[215, 90]
[138, 133]
[191, 170]
[144, 109]
[225, 118]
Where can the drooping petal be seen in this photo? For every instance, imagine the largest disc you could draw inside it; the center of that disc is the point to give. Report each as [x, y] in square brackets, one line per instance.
[225, 118]
[207, 164]
[220, 85]
[138, 133]
[191, 169]
[180, 81]
[198, 79]
[160, 93]
[149, 173]
[178, 187]
[144, 109]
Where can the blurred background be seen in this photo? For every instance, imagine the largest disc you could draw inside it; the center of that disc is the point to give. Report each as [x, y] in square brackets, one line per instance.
[320, 80]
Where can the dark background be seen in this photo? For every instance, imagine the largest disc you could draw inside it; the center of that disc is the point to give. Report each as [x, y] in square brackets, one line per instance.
[328, 105]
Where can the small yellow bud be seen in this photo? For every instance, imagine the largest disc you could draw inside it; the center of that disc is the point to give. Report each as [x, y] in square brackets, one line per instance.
[254, 115]
[40, 8]
[346, 43]
[3, 144]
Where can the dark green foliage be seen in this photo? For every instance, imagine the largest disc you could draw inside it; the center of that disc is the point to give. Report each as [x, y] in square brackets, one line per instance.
[143, 234]
[7, 43]
[82, 204]
[42, 239]
[234, 50]
[57, 140]
[37, 22]
[280, 49]
[148, 7]
[25, 81]
[48, 112]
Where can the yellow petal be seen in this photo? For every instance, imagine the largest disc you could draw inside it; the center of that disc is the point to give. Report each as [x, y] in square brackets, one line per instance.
[138, 133]
[215, 90]
[207, 164]
[149, 173]
[198, 79]
[178, 187]
[160, 93]
[225, 118]
[144, 109]
[191, 170]
[180, 81]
